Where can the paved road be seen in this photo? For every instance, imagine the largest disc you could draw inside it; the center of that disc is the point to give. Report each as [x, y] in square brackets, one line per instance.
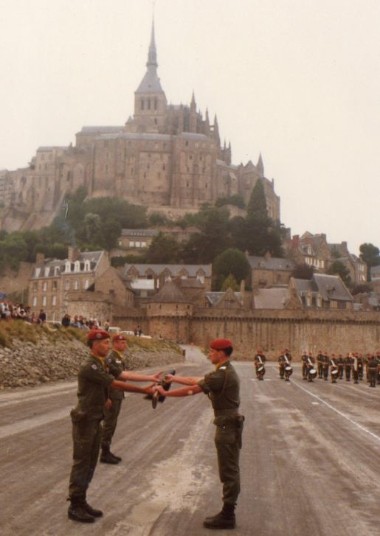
[310, 461]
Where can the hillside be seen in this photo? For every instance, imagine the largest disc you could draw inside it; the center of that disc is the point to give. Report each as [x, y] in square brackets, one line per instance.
[31, 355]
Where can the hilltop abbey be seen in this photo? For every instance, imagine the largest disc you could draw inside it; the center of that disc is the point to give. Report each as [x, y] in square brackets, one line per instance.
[166, 157]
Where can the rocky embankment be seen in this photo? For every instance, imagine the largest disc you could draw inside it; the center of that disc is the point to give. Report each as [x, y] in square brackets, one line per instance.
[54, 355]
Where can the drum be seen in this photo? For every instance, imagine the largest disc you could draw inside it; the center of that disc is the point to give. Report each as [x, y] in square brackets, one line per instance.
[334, 372]
[260, 369]
[312, 372]
[288, 368]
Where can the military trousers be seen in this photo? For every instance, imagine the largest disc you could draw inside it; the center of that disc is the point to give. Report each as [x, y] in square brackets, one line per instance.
[86, 445]
[372, 373]
[228, 452]
[110, 421]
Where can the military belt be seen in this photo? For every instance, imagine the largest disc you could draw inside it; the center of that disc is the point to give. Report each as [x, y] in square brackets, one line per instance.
[226, 412]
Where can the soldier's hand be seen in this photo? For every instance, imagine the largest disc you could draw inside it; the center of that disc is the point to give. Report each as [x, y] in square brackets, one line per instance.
[157, 377]
[108, 403]
[169, 378]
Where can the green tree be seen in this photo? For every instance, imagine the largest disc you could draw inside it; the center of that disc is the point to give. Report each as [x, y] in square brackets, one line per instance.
[236, 200]
[213, 238]
[303, 271]
[92, 226]
[163, 250]
[261, 233]
[370, 255]
[338, 268]
[232, 262]
[230, 282]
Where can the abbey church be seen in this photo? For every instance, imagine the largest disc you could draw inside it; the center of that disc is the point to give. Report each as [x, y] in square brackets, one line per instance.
[166, 157]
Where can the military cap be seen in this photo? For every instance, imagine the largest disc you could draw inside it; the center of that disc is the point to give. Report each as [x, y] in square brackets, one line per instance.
[119, 337]
[97, 335]
[221, 344]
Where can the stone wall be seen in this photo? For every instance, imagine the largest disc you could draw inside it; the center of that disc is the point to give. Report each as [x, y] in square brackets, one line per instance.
[334, 331]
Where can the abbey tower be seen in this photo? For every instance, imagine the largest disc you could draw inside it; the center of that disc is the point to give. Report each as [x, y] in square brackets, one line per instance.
[166, 157]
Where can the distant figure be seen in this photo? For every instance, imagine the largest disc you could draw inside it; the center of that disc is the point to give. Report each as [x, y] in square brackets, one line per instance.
[41, 317]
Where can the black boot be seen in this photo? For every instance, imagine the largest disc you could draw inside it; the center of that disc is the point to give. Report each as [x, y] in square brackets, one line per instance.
[107, 456]
[116, 457]
[224, 520]
[92, 511]
[78, 512]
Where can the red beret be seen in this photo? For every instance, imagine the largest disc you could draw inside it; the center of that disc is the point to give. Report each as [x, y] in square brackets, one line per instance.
[97, 335]
[119, 337]
[221, 344]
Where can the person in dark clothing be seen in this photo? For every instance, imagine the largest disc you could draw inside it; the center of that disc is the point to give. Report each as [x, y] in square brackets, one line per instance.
[222, 386]
[93, 383]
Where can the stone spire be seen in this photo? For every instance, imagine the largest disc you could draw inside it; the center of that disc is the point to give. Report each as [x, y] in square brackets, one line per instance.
[151, 83]
[150, 99]
[260, 166]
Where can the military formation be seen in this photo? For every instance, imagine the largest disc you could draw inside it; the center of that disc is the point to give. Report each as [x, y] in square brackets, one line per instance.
[353, 367]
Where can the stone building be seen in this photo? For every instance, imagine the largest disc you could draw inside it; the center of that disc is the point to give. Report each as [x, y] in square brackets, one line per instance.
[322, 291]
[166, 157]
[53, 282]
[269, 271]
[316, 252]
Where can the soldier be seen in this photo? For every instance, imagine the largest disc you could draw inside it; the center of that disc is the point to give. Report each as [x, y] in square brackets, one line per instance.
[320, 361]
[325, 365]
[259, 364]
[373, 364]
[93, 382]
[360, 367]
[116, 365]
[355, 367]
[340, 362]
[304, 360]
[310, 370]
[378, 367]
[334, 368]
[348, 362]
[222, 387]
[285, 369]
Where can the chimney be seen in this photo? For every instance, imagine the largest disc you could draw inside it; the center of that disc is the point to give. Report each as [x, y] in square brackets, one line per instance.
[40, 259]
[73, 253]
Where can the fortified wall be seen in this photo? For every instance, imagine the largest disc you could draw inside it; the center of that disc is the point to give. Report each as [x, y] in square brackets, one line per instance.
[336, 332]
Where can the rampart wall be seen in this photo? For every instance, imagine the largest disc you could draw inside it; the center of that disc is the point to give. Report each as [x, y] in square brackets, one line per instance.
[336, 332]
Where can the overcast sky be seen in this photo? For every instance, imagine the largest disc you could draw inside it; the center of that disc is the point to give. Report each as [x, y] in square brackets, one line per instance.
[295, 80]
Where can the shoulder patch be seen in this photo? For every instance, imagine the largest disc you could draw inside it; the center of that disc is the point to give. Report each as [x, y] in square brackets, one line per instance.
[93, 366]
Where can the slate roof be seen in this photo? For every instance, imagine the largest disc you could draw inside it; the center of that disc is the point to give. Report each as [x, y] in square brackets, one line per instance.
[174, 269]
[271, 298]
[270, 263]
[169, 293]
[50, 266]
[216, 297]
[330, 287]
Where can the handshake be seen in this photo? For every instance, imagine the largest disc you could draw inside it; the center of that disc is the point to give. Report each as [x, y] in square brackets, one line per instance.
[160, 388]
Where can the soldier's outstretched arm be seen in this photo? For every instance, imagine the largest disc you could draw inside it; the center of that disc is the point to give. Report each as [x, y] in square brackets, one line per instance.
[188, 390]
[131, 388]
[136, 377]
[184, 380]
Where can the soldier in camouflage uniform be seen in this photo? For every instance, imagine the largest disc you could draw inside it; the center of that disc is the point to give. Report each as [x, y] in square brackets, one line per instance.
[93, 384]
[222, 388]
[115, 363]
